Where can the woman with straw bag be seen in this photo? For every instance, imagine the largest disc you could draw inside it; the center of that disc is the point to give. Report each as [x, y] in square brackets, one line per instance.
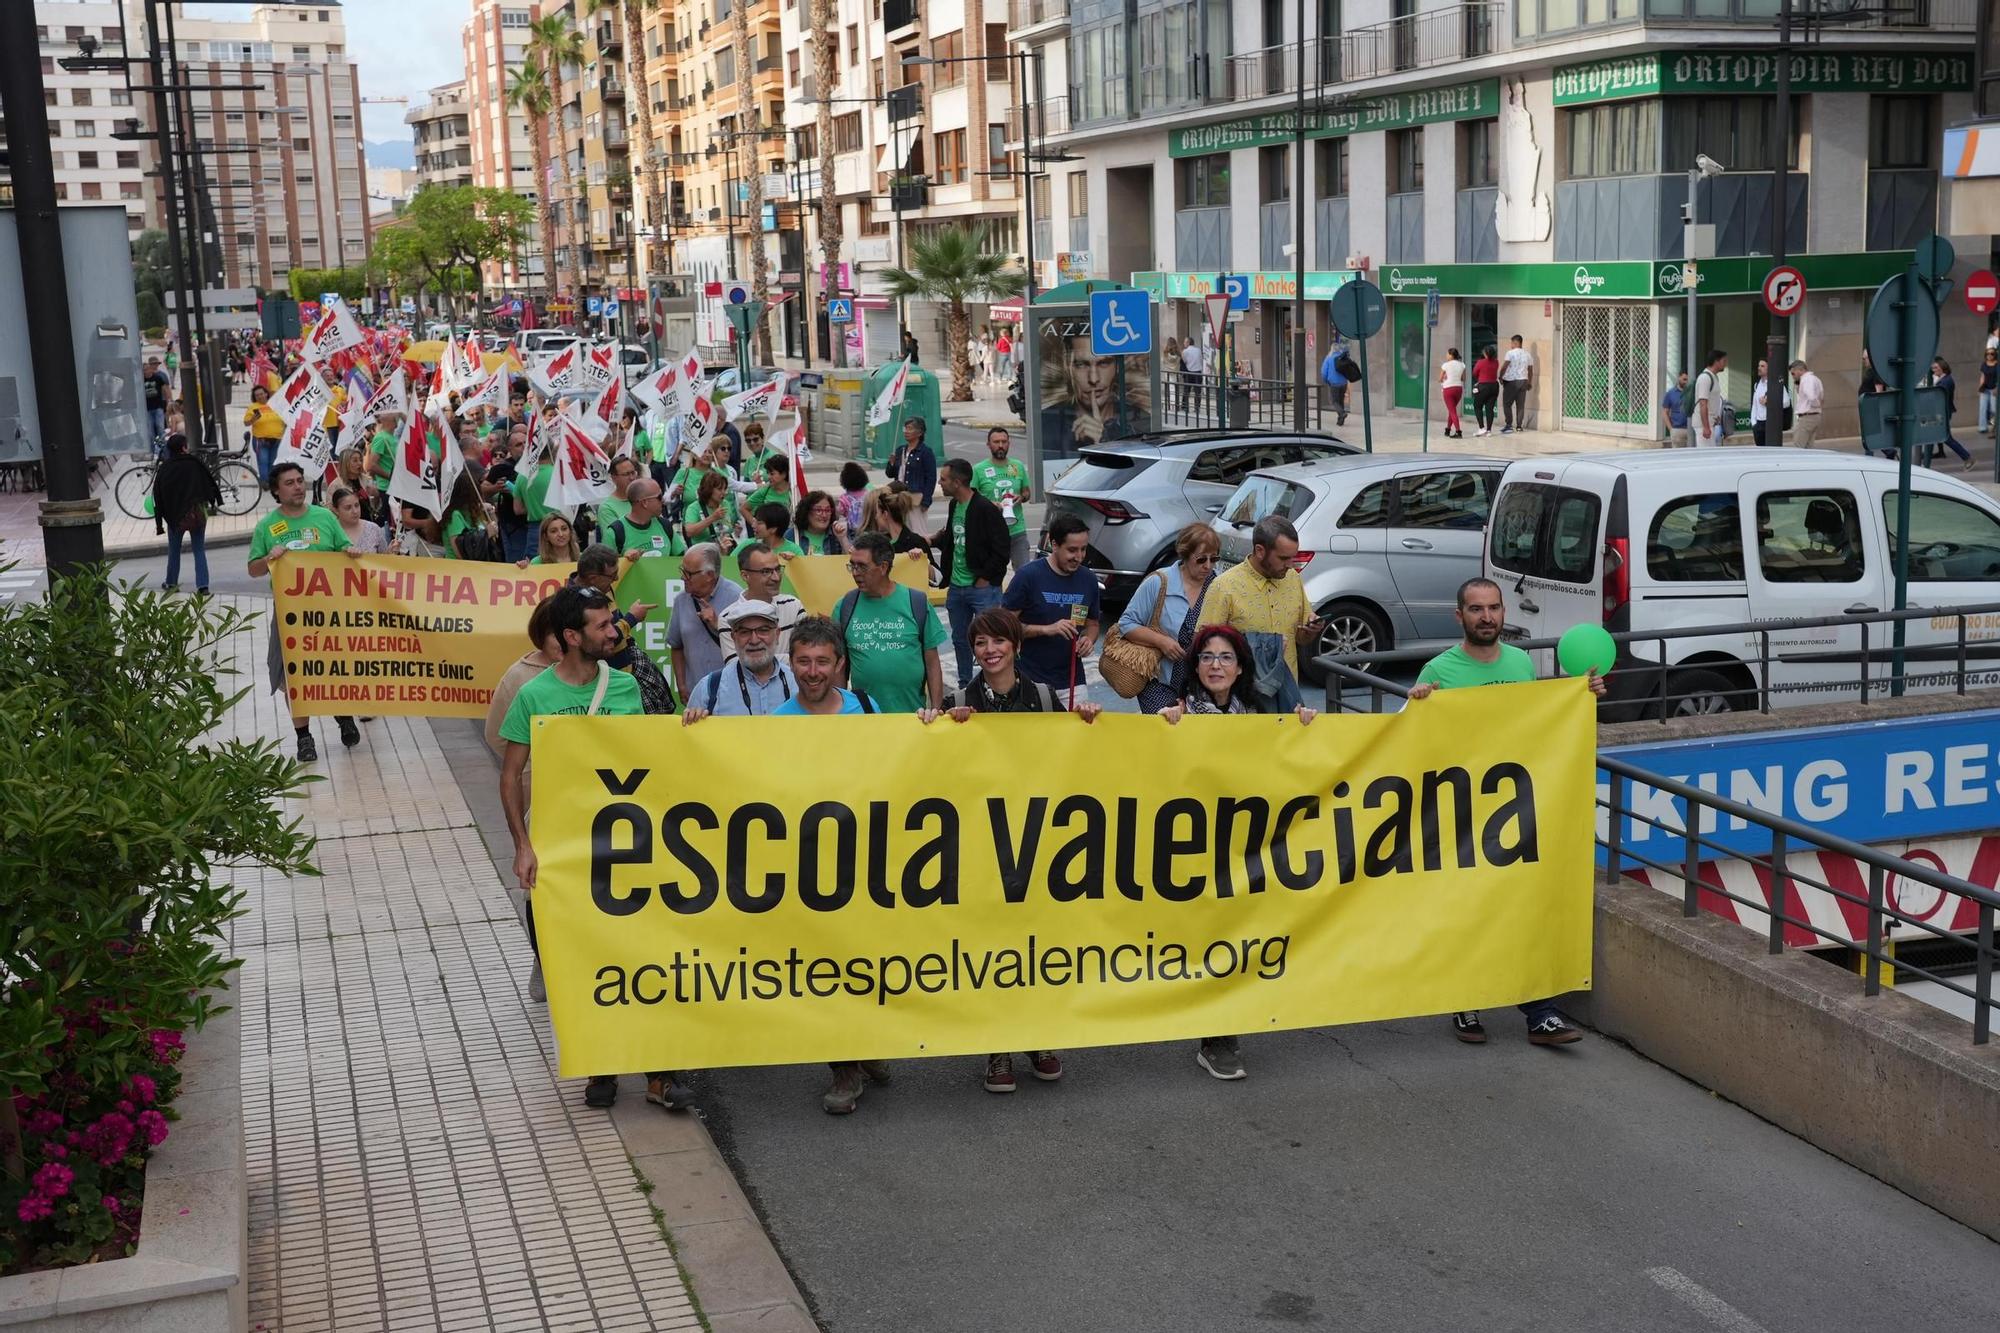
[1146, 652]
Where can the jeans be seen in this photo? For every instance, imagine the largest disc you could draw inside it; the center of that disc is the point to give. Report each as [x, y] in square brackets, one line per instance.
[1987, 410]
[267, 454]
[1537, 1010]
[199, 538]
[961, 604]
[1337, 395]
[1020, 551]
[1513, 399]
[156, 417]
[518, 543]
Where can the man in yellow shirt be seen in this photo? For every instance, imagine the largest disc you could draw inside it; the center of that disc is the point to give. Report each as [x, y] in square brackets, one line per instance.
[1265, 599]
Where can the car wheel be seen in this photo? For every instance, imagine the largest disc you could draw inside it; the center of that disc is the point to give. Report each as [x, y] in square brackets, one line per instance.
[1699, 693]
[1350, 628]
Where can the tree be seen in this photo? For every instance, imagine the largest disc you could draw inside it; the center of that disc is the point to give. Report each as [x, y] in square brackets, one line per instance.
[952, 265]
[637, 84]
[556, 43]
[152, 275]
[825, 74]
[448, 232]
[528, 93]
[752, 130]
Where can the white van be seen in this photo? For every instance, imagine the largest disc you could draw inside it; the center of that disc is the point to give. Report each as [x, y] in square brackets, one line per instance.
[1690, 537]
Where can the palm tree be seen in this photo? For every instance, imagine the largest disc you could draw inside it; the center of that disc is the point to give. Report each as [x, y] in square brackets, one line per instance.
[751, 127]
[825, 71]
[555, 43]
[528, 93]
[636, 78]
[952, 265]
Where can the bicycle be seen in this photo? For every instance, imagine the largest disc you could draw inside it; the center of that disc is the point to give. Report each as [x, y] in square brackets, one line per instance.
[234, 477]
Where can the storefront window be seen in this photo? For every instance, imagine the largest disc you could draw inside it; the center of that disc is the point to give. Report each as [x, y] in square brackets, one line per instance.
[1406, 161]
[1331, 168]
[1476, 165]
[1203, 182]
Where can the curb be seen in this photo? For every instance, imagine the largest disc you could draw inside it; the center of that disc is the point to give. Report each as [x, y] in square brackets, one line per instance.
[134, 550]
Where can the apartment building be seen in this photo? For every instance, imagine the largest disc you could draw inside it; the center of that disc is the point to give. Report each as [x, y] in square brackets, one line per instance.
[279, 139]
[442, 131]
[1525, 160]
[494, 45]
[598, 143]
[86, 109]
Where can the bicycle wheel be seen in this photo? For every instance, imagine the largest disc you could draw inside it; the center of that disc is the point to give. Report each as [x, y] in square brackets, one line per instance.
[240, 488]
[134, 491]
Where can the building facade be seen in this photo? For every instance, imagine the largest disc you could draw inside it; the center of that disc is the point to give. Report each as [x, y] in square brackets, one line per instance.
[442, 131]
[494, 41]
[281, 157]
[1528, 162]
[86, 109]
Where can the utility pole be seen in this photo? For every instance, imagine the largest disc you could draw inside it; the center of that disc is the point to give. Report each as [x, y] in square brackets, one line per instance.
[198, 351]
[1299, 374]
[169, 204]
[1777, 347]
[72, 523]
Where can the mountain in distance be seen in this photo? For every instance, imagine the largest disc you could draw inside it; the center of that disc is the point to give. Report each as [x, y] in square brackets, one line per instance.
[391, 153]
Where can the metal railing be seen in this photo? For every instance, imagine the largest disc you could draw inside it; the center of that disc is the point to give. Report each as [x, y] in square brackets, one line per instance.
[1415, 41]
[1190, 402]
[1965, 659]
[1027, 13]
[1776, 868]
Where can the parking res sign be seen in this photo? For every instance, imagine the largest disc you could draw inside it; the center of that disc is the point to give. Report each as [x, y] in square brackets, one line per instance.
[1121, 323]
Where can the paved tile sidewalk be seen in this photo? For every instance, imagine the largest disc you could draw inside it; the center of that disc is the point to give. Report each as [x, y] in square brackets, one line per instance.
[21, 532]
[414, 1163]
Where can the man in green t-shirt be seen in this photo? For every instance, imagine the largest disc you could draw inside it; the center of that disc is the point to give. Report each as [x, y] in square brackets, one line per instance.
[296, 526]
[581, 618]
[1481, 659]
[892, 634]
[1004, 481]
[624, 471]
[532, 490]
[643, 531]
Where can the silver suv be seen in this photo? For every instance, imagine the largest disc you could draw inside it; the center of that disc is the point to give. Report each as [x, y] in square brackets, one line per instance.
[1136, 494]
[1384, 541]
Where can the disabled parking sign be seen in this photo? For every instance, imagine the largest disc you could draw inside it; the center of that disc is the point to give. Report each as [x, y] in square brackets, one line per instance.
[1121, 323]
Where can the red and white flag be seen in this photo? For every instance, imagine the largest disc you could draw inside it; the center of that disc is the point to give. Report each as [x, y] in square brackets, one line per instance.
[560, 373]
[791, 441]
[468, 365]
[304, 392]
[334, 331]
[583, 471]
[665, 388]
[490, 390]
[599, 365]
[605, 411]
[392, 397]
[701, 421]
[761, 401]
[308, 443]
[451, 460]
[414, 479]
[886, 402]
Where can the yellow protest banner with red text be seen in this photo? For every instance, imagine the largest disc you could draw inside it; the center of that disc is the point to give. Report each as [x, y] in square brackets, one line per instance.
[1038, 882]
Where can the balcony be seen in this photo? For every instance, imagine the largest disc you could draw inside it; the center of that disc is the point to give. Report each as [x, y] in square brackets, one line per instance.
[610, 38]
[1053, 118]
[898, 14]
[611, 89]
[1417, 41]
[1025, 14]
[907, 196]
[619, 188]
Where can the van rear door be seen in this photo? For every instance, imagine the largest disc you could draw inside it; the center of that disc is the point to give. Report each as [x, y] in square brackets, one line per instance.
[1815, 546]
[1544, 548]
[1954, 561]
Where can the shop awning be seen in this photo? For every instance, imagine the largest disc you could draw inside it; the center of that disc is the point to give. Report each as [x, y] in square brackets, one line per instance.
[1007, 311]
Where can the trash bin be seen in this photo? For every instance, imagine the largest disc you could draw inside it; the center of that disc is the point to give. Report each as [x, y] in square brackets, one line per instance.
[921, 395]
[1239, 407]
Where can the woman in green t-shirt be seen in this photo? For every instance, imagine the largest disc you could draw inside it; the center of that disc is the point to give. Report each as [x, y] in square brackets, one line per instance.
[820, 531]
[715, 521]
[465, 513]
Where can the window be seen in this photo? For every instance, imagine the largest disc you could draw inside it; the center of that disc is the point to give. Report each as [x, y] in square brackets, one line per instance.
[55, 127]
[1204, 181]
[1257, 498]
[1735, 131]
[121, 97]
[129, 190]
[92, 190]
[86, 129]
[1477, 166]
[853, 44]
[301, 54]
[79, 97]
[48, 66]
[1900, 134]
[847, 133]
[947, 48]
[128, 161]
[1454, 501]
[1331, 169]
[1955, 542]
[1613, 139]
[1231, 466]
[996, 53]
[62, 190]
[1406, 161]
[725, 67]
[1809, 537]
[86, 161]
[1696, 539]
[996, 144]
[1546, 531]
[1079, 196]
[1274, 173]
[1370, 509]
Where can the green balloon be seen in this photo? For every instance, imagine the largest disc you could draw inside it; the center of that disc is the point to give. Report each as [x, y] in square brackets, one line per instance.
[149, 506]
[1586, 648]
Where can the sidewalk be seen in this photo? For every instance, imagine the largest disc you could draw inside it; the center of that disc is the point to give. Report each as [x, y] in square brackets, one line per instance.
[414, 1162]
[124, 536]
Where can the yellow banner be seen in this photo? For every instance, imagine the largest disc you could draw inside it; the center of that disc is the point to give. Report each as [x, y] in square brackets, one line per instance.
[1031, 882]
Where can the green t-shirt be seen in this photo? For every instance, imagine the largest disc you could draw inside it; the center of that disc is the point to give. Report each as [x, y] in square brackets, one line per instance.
[382, 452]
[885, 649]
[549, 695]
[786, 547]
[961, 572]
[1000, 481]
[816, 543]
[611, 509]
[534, 493]
[655, 536]
[764, 495]
[1452, 669]
[315, 530]
[454, 527]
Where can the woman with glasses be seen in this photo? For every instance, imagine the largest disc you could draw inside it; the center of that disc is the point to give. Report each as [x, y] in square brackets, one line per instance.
[1165, 612]
[1223, 683]
[821, 530]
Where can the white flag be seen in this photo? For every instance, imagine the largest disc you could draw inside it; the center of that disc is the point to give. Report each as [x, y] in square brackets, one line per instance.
[665, 388]
[392, 397]
[791, 442]
[334, 331]
[308, 443]
[559, 374]
[701, 421]
[891, 397]
[599, 365]
[304, 392]
[489, 391]
[451, 459]
[471, 366]
[583, 472]
[605, 411]
[761, 401]
[414, 478]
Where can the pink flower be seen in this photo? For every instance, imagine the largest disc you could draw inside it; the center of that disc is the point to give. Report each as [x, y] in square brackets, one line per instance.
[42, 1123]
[154, 1126]
[142, 1089]
[55, 1150]
[32, 1208]
[52, 1181]
[110, 1138]
[110, 1202]
[127, 1107]
[167, 1045]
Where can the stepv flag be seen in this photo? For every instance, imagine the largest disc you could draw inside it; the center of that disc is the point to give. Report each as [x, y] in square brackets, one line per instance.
[414, 479]
[886, 402]
[392, 397]
[605, 410]
[308, 443]
[583, 471]
[559, 374]
[599, 365]
[791, 441]
[304, 392]
[701, 421]
[761, 401]
[334, 331]
[489, 391]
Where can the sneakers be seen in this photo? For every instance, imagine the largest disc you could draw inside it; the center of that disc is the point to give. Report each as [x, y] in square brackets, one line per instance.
[307, 750]
[1467, 1027]
[1218, 1056]
[663, 1089]
[537, 991]
[1506, 430]
[844, 1091]
[1483, 430]
[1046, 1066]
[600, 1092]
[1552, 1031]
[1000, 1073]
[350, 735]
[876, 1070]
[170, 587]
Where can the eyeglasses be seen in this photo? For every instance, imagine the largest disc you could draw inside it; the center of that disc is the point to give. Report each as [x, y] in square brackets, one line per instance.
[860, 566]
[761, 570]
[590, 594]
[1217, 659]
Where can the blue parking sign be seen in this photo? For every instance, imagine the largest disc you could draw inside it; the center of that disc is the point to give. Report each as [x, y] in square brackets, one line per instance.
[840, 310]
[1237, 287]
[1121, 323]
[593, 304]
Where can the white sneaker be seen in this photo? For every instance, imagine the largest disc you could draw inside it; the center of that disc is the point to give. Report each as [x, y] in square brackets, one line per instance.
[1479, 432]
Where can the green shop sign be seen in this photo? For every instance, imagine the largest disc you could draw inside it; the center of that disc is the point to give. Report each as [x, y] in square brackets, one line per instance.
[1744, 275]
[1382, 111]
[1264, 286]
[1672, 73]
[1618, 278]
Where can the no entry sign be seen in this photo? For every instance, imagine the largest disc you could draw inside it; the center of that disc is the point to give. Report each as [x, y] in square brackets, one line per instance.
[1982, 292]
[1784, 291]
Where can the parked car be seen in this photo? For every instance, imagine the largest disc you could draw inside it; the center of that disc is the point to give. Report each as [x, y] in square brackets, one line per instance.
[1687, 538]
[1384, 541]
[1136, 494]
[728, 382]
[531, 342]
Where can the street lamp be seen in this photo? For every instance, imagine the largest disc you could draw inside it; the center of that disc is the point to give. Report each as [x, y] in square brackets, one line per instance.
[1704, 168]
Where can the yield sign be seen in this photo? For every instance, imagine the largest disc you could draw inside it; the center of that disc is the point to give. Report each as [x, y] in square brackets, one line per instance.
[1982, 292]
[1218, 308]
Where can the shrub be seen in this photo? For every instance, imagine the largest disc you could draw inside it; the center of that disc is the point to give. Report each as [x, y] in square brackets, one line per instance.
[120, 805]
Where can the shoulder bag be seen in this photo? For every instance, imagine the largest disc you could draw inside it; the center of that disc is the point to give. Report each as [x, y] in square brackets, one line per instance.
[1128, 667]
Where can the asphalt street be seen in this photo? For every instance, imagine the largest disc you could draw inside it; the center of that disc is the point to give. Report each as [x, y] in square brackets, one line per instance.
[1382, 1177]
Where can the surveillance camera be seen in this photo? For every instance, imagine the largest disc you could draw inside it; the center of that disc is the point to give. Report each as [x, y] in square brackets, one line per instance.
[131, 124]
[87, 44]
[1708, 165]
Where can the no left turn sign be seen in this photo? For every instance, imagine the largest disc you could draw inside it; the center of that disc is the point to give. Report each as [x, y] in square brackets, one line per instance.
[1784, 291]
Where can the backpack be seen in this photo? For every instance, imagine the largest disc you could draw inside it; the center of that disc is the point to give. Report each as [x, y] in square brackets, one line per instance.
[479, 544]
[1349, 367]
[920, 606]
[1329, 368]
